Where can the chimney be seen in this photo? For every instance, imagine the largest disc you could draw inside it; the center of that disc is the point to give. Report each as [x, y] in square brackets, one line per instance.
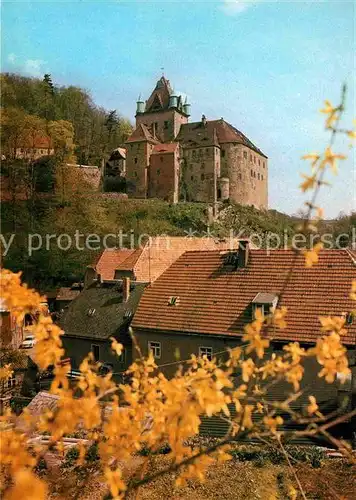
[126, 288]
[243, 253]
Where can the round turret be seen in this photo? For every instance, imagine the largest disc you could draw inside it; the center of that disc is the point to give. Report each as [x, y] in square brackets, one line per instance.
[173, 100]
[224, 188]
[186, 108]
[140, 108]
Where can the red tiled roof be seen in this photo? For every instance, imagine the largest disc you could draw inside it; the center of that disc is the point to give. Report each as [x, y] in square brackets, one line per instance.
[165, 148]
[107, 262]
[67, 293]
[153, 259]
[214, 130]
[214, 299]
[141, 133]
[37, 142]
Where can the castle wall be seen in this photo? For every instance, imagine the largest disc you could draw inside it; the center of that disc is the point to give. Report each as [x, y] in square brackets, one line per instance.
[248, 174]
[167, 122]
[164, 176]
[137, 162]
[201, 170]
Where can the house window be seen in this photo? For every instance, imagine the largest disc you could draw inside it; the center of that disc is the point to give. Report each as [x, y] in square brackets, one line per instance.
[173, 301]
[155, 348]
[165, 125]
[345, 382]
[192, 177]
[264, 302]
[11, 382]
[250, 157]
[251, 173]
[349, 318]
[202, 177]
[245, 154]
[95, 349]
[240, 176]
[259, 162]
[122, 357]
[206, 351]
[264, 308]
[264, 164]
[261, 177]
[158, 171]
[258, 176]
[91, 312]
[223, 153]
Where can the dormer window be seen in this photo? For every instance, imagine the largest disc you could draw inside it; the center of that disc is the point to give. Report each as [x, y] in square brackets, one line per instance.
[264, 302]
[91, 312]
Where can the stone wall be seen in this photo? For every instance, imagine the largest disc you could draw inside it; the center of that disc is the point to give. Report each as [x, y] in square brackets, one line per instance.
[164, 176]
[167, 123]
[200, 172]
[137, 161]
[247, 172]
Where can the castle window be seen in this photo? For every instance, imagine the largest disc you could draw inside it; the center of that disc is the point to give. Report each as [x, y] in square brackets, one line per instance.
[250, 157]
[240, 176]
[202, 177]
[202, 166]
[259, 162]
[261, 177]
[223, 153]
[135, 174]
[245, 154]
[251, 173]
[258, 175]
[192, 177]
[193, 153]
[207, 150]
[165, 125]
[158, 171]
[136, 160]
[264, 164]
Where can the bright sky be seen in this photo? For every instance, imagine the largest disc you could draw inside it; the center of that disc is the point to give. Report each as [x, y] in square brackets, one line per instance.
[265, 67]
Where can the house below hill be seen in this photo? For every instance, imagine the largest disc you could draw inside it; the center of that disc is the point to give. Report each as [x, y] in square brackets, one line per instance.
[202, 302]
[101, 311]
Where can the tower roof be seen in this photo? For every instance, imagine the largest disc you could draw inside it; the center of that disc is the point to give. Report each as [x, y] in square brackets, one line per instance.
[159, 99]
[212, 132]
[140, 134]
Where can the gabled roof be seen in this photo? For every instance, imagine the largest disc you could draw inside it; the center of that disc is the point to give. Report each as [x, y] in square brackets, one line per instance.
[67, 293]
[215, 299]
[141, 134]
[41, 402]
[165, 148]
[149, 262]
[213, 131]
[38, 142]
[117, 154]
[109, 260]
[159, 99]
[108, 318]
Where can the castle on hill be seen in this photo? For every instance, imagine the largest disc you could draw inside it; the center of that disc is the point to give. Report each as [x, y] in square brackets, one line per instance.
[207, 161]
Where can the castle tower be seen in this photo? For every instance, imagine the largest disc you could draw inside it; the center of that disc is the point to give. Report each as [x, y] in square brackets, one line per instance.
[139, 149]
[164, 112]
